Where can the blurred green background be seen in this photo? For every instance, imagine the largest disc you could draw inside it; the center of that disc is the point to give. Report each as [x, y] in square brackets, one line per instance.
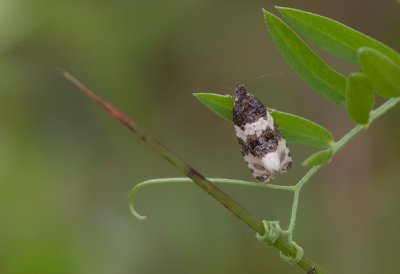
[66, 168]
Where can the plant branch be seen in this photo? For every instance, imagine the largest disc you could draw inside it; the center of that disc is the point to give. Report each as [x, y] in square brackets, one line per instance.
[375, 114]
[227, 201]
[336, 147]
[378, 112]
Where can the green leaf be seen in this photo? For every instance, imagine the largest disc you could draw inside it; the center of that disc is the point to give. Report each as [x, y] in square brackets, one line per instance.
[298, 130]
[308, 65]
[332, 36]
[295, 129]
[222, 105]
[382, 72]
[360, 97]
[321, 157]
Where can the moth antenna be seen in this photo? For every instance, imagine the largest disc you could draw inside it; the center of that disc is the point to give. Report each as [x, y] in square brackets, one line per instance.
[249, 81]
[265, 76]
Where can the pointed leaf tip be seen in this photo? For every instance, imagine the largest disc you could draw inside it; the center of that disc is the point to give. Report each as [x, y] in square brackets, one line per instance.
[305, 62]
[298, 130]
[222, 105]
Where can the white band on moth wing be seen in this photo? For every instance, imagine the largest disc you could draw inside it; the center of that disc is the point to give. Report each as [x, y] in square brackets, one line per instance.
[255, 128]
[252, 163]
[240, 133]
[271, 161]
[270, 120]
[283, 149]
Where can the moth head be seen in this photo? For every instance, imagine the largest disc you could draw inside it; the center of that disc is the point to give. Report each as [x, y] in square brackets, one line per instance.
[240, 90]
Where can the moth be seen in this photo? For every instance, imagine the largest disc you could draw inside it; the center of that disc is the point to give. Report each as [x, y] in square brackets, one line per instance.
[263, 147]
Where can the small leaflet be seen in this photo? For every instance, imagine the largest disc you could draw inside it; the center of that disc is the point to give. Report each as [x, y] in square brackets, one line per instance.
[263, 146]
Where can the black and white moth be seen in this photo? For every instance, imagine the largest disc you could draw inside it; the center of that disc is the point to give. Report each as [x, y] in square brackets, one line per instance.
[263, 147]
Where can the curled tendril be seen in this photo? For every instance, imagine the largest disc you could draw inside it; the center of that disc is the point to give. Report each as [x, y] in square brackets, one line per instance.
[272, 232]
[297, 258]
[152, 182]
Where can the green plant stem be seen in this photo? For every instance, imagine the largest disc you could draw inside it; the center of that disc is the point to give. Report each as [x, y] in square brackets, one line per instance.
[375, 114]
[336, 147]
[289, 231]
